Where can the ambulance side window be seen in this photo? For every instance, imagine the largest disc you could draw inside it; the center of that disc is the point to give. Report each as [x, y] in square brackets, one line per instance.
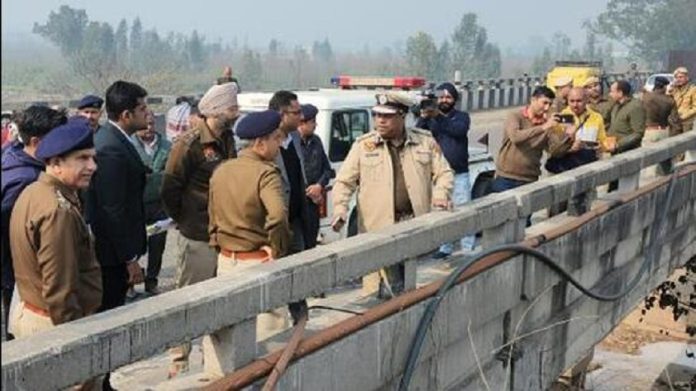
[346, 126]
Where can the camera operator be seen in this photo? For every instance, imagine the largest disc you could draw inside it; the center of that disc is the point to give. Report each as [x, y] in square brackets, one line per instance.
[449, 127]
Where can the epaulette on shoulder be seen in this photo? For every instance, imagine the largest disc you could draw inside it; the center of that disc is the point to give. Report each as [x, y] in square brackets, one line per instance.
[63, 202]
[422, 133]
[366, 136]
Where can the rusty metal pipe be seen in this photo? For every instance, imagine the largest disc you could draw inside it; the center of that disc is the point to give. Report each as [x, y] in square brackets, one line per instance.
[261, 367]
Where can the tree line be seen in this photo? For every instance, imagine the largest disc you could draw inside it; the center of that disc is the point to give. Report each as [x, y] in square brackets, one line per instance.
[97, 53]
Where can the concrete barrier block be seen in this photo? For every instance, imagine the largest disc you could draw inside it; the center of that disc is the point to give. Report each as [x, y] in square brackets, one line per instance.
[396, 335]
[458, 358]
[532, 197]
[321, 368]
[364, 372]
[426, 233]
[563, 186]
[628, 249]
[312, 279]
[607, 232]
[655, 153]
[605, 171]
[510, 232]
[19, 356]
[374, 251]
[584, 179]
[588, 237]
[629, 163]
[483, 298]
[536, 277]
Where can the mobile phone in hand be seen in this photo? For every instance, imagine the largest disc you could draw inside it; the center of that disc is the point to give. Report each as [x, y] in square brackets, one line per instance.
[565, 118]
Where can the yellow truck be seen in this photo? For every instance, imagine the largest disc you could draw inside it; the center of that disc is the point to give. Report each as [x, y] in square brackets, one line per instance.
[578, 70]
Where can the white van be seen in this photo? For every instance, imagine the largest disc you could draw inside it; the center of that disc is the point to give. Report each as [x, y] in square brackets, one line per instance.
[344, 115]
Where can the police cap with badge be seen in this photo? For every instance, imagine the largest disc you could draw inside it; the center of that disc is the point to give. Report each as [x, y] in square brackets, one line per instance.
[257, 124]
[392, 103]
[90, 101]
[75, 135]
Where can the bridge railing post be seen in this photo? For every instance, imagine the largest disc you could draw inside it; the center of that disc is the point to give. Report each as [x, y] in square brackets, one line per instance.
[511, 231]
[230, 348]
[469, 96]
[480, 100]
[690, 156]
[510, 92]
[580, 204]
[629, 182]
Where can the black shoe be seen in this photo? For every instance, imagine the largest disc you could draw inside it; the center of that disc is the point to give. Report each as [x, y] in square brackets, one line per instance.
[151, 288]
[440, 255]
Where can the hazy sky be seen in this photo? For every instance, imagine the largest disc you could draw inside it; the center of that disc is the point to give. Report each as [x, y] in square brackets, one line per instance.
[347, 24]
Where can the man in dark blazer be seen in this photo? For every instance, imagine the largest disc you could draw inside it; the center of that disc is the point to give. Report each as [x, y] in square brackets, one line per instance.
[294, 182]
[115, 200]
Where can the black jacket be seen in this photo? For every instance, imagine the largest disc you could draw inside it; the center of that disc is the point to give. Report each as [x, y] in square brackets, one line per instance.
[450, 132]
[115, 209]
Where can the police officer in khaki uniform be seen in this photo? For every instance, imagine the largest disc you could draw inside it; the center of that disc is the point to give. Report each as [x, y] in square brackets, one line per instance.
[596, 100]
[398, 173]
[57, 273]
[56, 269]
[661, 120]
[563, 85]
[684, 94]
[248, 213]
[194, 156]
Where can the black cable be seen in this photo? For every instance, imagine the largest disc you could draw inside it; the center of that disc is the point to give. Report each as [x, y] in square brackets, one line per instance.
[426, 319]
[337, 309]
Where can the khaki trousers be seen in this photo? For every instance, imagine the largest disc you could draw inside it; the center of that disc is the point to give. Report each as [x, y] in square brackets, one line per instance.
[268, 323]
[388, 280]
[26, 323]
[196, 262]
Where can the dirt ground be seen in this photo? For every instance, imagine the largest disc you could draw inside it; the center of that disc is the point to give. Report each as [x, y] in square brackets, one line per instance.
[649, 350]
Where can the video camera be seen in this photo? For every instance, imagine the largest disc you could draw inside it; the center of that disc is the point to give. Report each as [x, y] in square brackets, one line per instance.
[427, 100]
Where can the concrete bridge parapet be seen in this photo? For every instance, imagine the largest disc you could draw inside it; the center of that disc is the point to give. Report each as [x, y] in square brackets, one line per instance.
[482, 314]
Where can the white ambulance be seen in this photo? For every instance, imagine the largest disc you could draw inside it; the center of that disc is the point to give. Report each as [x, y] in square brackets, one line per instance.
[344, 115]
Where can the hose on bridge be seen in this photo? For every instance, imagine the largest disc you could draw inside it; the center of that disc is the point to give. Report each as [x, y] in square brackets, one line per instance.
[263, 367]
[517, 249]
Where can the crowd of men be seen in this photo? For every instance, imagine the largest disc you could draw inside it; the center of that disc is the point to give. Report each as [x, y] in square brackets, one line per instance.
[77, 195]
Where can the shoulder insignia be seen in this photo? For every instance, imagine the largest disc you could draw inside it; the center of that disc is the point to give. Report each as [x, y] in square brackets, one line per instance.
[369, 145]
[420, 132]
[63, 202]
[436, 148]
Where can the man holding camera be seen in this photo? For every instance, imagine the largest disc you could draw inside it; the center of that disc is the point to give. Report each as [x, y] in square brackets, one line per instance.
[449, 127]
[528, 133]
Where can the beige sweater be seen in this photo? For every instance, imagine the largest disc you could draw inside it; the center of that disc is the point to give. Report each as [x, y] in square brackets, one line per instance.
[523, 145]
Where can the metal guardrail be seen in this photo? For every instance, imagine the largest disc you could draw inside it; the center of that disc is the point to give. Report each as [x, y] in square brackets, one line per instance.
[476, 95]
[501, 93]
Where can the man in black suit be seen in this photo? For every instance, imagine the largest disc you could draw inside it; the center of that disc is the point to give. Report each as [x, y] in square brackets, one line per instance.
[115, 200]
[291, 165]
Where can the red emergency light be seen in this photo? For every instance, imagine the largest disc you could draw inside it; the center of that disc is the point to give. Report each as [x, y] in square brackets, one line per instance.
[354, 82]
